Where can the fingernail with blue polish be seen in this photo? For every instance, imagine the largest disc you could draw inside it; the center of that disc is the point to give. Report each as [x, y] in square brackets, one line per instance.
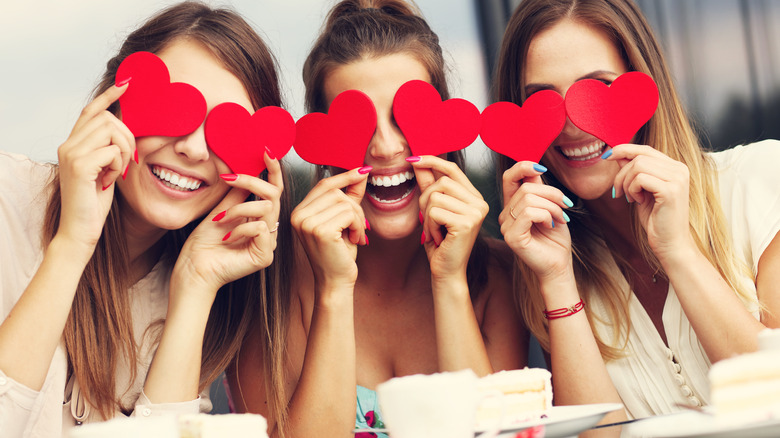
[607, 154]
[553, 224]
[539, 168]
[628, 200]
[567, 202]
[566, 217]
[613, 192]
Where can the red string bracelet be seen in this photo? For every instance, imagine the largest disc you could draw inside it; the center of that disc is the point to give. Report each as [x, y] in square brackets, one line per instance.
[564, 311]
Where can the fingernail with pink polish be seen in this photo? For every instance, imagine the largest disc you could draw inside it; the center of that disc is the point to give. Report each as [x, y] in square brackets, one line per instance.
[422, 219]
[227, 236]
[229, 176]
[366, 239]
[270, 154]
[219, 216]
[368, 226]
[135, 156]
[123, 81]
[106, 187]
[365, 169]
[124, 174]
[422, 239]
[413, 158]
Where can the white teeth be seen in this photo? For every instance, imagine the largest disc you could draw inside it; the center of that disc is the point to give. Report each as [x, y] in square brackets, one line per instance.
[176, 181]
[391, 181]
[584, 153]
[388, 201]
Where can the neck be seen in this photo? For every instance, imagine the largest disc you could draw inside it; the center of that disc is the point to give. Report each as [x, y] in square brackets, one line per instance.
[614, 218]
[144, 244]
[392, 264]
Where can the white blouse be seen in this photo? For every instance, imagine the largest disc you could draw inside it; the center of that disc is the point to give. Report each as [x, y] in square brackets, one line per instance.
[652, 378]
[59, 406]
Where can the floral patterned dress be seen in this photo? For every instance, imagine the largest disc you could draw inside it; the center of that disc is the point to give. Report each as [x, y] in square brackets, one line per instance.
[368, 415]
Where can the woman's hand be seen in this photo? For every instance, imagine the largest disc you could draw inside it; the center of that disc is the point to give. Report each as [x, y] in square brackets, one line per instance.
[237, 238]
[533, 221]
[448, 200]
[659, 185]
[330, 224]
[97, 151]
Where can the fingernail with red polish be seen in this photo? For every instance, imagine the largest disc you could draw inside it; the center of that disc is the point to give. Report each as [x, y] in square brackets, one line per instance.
[219, 216]
[422, 239]
[229, 176]
[413, 158]
[422, 219]
[124, 174]
[366, 239]
[368, 226]
[270, 154]
[227, 236]
[135, 156]
[365, 169]
[106, 187]
[123, 81]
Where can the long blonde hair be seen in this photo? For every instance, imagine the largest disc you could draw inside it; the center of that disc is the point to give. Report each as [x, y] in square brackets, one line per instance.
[99, 333]
[669, 131]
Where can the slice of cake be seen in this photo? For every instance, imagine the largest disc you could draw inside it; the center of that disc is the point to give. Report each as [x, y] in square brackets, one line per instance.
[512, 396]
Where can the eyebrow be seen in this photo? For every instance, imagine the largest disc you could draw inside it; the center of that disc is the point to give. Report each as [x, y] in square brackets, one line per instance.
[534, 87]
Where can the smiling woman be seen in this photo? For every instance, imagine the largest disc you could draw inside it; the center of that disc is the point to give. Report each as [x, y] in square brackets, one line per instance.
[121, 251]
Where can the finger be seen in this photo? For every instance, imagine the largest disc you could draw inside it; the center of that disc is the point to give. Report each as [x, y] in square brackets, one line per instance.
[263, 239]
[275, 176]
[99, 104]
[235, 196]
[450, 187]
[251, 210]
[520, 173]
[333, 221]
[645, 187]
[336, 182]
[531, 191]
[440, 167]
[263, 190]
[534, 216]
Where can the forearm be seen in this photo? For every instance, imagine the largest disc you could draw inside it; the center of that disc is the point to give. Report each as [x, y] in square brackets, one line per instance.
[325, 397]
[458, 337]
[721, 321]
[38, 318]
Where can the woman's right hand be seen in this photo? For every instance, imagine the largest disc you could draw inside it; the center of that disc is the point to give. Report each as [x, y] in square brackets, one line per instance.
[96, 153]
[330, 224]
[533, 221]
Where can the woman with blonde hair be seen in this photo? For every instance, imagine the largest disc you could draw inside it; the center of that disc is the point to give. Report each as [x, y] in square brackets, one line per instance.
[120, 276]
[385, 291]
[640, 264]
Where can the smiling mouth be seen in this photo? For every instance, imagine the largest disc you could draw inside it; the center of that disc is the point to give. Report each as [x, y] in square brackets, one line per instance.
[387, 189]
[587, 152]
[176, 181]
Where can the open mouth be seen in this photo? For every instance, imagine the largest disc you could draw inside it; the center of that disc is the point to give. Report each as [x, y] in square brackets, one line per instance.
[176, 181]
[387, 189]
[584, 153]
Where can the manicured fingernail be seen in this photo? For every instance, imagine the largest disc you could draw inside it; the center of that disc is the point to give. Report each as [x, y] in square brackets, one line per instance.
[106, 187]
[227, 236]
[219, 216]
[607, 154]
[567, 202]
[566, 217]
[124, 174]
[613, 192]
[365, 169]
[229, 176]
[413, 158]
[135, 156]
[628, 200]
[539, 168]
[366, 239]
[422, 219]
[123, 81]
[270, 154]
[553, 223]
[368, 226]
[422, 239]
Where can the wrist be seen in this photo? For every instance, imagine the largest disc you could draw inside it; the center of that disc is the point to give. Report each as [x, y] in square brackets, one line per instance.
[678, 254]
[72, 250]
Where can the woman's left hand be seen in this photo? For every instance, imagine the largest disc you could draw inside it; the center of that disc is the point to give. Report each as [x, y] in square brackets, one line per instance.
[449, 200]
[237, 238]
[659, 185]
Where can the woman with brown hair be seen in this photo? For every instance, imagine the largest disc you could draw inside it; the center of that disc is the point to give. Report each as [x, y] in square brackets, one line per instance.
[639, 264]
[373, 302]
[94, 264]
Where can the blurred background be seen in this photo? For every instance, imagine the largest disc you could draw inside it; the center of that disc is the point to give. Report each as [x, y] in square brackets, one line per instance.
[724, 56]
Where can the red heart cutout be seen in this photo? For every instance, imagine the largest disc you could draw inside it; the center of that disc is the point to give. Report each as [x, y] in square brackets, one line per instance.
[613, 113]
[524, 133]
[152, 105]
[240, 139]
[341, 137]
[433, 127]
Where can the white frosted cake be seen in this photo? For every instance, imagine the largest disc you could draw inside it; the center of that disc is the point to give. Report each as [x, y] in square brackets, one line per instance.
[514, 395]
[183, 426]
[748, 382]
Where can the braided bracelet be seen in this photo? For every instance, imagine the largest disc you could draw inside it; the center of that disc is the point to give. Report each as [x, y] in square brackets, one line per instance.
[564, 311]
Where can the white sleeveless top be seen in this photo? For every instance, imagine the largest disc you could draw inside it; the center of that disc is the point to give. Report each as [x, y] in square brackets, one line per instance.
[652, 378]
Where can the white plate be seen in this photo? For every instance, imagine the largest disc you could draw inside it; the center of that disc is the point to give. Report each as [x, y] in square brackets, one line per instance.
[560, 421]
[692, 424]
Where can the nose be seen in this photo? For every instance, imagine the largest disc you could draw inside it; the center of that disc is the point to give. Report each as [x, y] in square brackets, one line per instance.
[570, 129]
[193, 145]
[387, 143]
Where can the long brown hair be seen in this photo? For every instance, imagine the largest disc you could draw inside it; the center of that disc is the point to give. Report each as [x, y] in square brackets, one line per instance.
[669, 131]
[99, 334]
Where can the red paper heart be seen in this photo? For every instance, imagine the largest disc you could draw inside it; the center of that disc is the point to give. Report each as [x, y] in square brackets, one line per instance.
[613, 113]
[433, 127]
[524, 133]
[152, 105]
[341, 137]
[240, 139]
